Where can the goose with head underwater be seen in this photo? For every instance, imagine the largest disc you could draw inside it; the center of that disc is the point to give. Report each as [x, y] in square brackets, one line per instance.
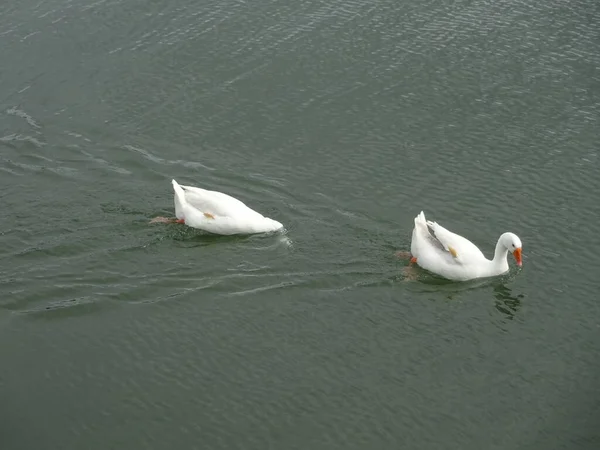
[216, 212]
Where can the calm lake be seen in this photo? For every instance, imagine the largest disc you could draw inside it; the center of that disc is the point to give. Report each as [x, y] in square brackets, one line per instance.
[342, 120]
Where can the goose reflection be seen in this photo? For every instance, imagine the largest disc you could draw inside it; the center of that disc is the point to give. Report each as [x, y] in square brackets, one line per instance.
[507, 302]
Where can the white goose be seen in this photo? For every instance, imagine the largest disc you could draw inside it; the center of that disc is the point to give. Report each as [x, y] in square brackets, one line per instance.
[452, 256]
[217, 213]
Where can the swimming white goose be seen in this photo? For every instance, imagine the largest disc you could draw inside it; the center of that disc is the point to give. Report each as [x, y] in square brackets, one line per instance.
[451, 256]
[217, 213]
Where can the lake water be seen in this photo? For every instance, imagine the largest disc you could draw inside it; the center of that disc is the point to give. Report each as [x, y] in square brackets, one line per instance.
[342, 120]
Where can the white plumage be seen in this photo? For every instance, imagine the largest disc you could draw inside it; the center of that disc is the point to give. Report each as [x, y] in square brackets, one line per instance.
[218, 213]
[454, 257]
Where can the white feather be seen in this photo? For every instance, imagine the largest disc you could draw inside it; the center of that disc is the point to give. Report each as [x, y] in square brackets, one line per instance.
[452, 256]
[218, 213]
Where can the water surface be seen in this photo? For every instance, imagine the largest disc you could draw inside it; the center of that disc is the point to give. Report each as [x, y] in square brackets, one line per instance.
[342, 120]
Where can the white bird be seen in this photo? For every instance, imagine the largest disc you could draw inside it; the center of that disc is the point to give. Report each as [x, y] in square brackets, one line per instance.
[451, 256]
[217, 213]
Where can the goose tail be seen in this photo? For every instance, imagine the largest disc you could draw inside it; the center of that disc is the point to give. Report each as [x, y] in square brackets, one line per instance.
[180, 200]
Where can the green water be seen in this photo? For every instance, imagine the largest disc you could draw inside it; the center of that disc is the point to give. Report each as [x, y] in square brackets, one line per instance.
[342, 120]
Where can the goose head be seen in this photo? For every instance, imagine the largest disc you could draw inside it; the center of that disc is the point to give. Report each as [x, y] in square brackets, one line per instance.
[513, 244]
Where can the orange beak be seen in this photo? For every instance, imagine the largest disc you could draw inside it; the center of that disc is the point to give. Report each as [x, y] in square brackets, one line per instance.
[517, 255]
